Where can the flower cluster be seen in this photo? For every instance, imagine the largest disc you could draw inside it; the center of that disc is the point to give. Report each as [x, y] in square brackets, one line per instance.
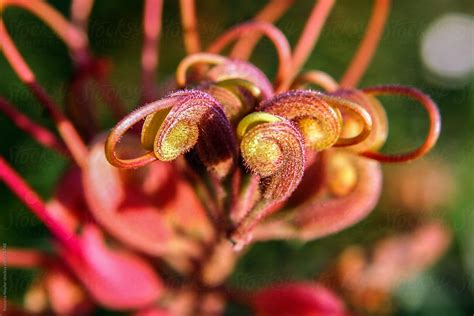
[155, 214]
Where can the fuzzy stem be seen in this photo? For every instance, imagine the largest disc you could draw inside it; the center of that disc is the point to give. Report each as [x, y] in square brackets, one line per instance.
[189, 22]
[274, 9]
[67, 131]
[39, 133]
[433, 114]
[29, 197]
[307, 40]
[274, 34]
[150, 51]
[362, 58]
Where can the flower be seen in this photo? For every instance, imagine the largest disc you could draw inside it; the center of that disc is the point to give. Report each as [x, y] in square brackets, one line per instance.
[152, 217]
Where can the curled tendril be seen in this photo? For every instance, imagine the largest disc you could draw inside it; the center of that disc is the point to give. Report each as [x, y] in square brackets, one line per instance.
[317, 116]
[433, 114]
[191, 60]
[273, 149]
[378, 134]
[176, 124]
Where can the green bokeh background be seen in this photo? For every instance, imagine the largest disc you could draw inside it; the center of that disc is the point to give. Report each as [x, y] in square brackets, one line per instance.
[115, 32]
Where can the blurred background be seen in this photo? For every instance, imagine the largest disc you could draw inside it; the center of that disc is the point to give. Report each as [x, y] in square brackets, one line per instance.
[427, 44]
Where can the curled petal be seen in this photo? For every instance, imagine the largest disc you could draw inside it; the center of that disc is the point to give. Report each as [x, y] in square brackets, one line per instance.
[352, 127]
[320, 217]
[273, 149]
[433, 113]
[317, 120]
[317, 116]
[297, 299]
[275, 152]
[175, 125]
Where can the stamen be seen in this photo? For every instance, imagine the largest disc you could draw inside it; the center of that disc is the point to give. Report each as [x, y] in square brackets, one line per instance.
[433, 114]
[362, 58]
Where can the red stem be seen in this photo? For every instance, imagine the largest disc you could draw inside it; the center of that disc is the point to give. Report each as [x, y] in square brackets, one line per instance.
[150, 51]
[67, 131]
[39, 133]
[307, 40]
[29, 197]
[362, 58]
[433, 114]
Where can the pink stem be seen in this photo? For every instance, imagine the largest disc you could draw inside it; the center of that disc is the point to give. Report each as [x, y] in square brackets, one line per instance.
[73, 37]
[37, 206]
[307, 40]
[39, 133]
[67, 131]
[80, 12]
[189, 22]
[433, 114]
[274, 34]
[361, 60]
[25, 258]
[152, 29]
[271, 12]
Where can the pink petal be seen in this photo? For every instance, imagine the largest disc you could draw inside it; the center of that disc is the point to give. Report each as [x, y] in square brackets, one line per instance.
[116, 279]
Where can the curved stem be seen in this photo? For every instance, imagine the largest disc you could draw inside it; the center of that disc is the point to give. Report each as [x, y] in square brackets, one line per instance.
[29, 197]
[368, 45]
[274, 34]
[189, 21]
[39, 133]
[307, 40]
[73, 37]
[150, 51]
[67, 131]
[274, 9]
[433, 114]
